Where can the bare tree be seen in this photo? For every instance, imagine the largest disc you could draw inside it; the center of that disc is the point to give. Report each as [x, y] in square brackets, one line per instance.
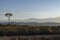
[8, 15]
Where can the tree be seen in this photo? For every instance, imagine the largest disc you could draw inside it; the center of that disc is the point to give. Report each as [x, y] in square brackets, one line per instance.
[8, 15]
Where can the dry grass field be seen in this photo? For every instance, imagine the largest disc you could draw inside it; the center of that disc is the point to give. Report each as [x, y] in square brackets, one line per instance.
[25, 32]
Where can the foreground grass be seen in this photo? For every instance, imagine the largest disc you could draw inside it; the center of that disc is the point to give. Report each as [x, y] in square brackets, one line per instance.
[28, 30]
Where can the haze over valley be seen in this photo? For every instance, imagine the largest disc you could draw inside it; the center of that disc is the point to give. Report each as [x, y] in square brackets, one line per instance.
[35, 22]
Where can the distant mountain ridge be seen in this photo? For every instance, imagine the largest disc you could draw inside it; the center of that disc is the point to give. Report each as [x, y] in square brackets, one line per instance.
[36, 22]
[57, 20]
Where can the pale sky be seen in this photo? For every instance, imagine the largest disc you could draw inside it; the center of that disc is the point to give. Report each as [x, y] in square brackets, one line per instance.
[23, 9]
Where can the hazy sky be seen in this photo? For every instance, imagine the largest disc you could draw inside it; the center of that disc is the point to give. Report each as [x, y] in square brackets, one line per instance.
[22, 9]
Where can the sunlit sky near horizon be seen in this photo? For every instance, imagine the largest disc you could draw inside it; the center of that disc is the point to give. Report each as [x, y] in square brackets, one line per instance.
[23, 9]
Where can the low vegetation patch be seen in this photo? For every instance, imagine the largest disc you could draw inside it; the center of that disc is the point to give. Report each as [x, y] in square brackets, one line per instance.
[28, 30]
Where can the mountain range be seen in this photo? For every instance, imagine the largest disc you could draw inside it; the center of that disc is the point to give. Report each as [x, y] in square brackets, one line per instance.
[57, 20]
[36, 22]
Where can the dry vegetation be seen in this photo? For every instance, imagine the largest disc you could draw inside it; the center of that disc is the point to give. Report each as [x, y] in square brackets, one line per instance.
[17, 29]
[28, 28]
